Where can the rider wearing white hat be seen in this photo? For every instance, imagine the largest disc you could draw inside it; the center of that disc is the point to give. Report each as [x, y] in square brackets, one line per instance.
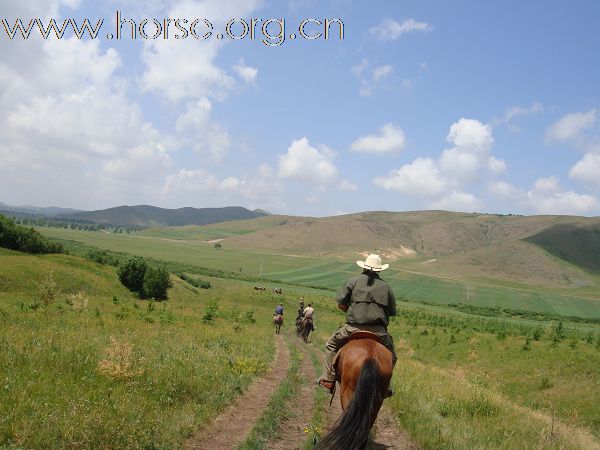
[368, 302]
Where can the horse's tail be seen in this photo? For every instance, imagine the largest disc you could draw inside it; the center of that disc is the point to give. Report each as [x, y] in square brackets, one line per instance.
[352, 428]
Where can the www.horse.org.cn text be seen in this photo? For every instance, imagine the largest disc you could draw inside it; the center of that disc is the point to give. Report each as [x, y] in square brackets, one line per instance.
[271, 32]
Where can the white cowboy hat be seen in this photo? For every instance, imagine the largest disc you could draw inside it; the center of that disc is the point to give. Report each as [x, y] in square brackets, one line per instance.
[373, 262]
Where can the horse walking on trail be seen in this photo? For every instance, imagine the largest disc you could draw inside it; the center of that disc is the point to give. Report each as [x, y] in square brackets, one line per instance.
[306, 326]
[278, 321]
[364, 370]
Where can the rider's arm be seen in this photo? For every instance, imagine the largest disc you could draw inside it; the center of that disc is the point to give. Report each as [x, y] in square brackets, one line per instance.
[391, 303]
[344, 295]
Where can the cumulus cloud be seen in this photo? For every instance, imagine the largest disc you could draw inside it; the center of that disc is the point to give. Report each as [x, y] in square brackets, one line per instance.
[307, 164]
[441, 182]
[471, 152]
[246, 73]
[547, 196]
[381, 72]
[587, 169]
[372, 79]
[390, 139]
[193, 187]
[570, 128]
[391, 30]
[198, 132]
[347, 186]
[186, 68]
[458, 201]
[421, 178]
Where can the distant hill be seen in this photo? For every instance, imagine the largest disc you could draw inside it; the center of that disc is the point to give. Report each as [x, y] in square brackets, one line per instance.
[550, 250]
[50, 211]
[152, 216]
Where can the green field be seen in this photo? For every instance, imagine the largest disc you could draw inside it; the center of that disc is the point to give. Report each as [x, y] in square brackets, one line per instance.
[330, 273]
[96, 367]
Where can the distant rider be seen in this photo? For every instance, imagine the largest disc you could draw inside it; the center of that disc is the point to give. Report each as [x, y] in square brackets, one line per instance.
[279, 309]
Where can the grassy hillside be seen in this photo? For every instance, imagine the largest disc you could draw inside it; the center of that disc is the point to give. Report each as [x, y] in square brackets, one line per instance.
[553, 251]
[151, 216]
[96, 367]
[103, 369]
[574, 243]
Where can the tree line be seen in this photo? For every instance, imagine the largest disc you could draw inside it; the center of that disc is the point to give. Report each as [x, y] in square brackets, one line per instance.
[73, 224]
[17, 237]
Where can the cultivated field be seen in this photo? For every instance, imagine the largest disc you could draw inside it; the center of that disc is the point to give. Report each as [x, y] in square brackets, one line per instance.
[408, 279]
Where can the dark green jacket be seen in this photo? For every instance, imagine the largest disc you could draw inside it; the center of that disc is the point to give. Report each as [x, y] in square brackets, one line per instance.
[367, 305]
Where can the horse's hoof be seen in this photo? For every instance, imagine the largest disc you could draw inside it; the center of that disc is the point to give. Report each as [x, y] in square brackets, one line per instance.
[388, 393]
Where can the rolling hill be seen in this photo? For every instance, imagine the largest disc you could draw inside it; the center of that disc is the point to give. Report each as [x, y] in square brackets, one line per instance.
[152, 216]
[555, 251]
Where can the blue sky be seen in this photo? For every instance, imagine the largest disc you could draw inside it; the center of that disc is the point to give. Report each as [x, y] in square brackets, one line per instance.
[458, 105]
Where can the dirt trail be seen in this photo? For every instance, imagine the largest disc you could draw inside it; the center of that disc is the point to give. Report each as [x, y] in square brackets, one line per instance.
[231, 428]
[291, 432]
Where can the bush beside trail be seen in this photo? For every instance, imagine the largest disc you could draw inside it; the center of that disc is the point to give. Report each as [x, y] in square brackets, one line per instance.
[27, 240]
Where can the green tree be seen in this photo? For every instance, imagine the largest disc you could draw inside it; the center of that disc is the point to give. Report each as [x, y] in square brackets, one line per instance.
[156, 283]
[131, 274]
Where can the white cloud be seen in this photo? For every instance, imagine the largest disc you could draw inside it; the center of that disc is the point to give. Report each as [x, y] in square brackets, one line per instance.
[471, 134]
[441, 182]
[347, 186]
[200, 187]
[547, 196]
[458, 201]
[246, 73]
[305, 163]
[471, 152]
[571, 127]
[198, 132]
[186, 68]
[391, 30]
[372, 79]
[390, 139]
[504, 190]
[519, 111]
[587, 169]
[422, 178]
[382, 72]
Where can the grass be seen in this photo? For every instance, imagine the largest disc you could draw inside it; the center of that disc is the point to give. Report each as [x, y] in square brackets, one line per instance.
[115, 370]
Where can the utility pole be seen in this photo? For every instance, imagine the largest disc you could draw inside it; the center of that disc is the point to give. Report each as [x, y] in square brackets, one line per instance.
[261, 266]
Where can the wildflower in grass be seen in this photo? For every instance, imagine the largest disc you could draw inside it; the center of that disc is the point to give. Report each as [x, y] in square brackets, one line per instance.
[79, 301]
[48, 288]
[119, 360]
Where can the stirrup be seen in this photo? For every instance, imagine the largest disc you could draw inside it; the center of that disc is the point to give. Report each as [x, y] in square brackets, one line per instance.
[327, 384]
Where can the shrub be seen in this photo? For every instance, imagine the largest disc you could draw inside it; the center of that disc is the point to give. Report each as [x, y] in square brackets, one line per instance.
[131, 274]
[28, 240]
[48, 289]
[211, 311]
[156, 283]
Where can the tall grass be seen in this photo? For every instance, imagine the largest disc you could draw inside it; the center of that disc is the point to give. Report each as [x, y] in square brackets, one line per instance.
[97, 369]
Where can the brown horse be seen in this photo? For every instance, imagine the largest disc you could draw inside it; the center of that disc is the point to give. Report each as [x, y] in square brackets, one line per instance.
[364, 370]
[306, 327]
[278, 321]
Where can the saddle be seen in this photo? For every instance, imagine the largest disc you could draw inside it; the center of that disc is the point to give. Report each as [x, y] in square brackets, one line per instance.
[362, 334]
